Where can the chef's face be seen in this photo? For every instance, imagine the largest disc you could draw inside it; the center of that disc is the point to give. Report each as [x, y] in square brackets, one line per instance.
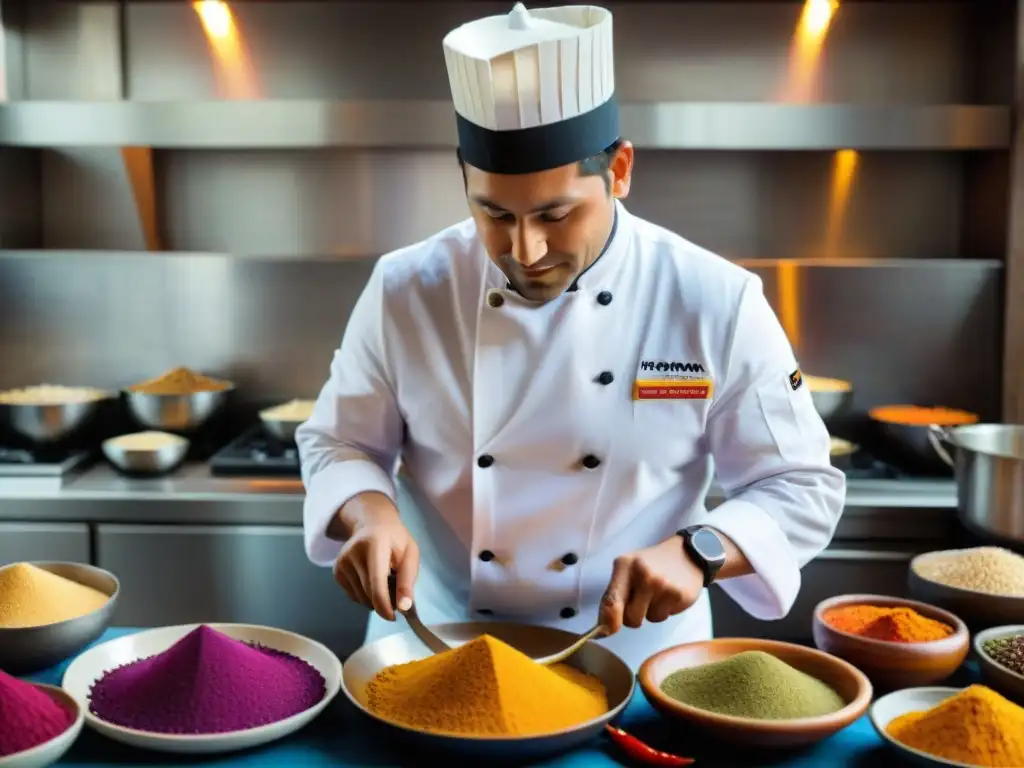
[543, 229]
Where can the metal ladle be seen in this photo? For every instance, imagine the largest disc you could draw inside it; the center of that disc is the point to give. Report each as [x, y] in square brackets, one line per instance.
[428, 638]
[437, 645]
[598, 630]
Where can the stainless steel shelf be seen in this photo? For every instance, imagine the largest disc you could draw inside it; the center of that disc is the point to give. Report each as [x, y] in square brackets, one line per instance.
[430, 124]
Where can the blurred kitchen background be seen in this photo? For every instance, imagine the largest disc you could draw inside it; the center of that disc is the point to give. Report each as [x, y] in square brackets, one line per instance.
[208, 185]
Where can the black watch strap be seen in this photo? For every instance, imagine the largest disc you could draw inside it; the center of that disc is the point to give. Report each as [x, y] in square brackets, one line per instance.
[704, 548]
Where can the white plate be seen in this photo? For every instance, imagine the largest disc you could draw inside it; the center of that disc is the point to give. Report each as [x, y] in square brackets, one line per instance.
[94, 663]
[891, 706]
[49, 752]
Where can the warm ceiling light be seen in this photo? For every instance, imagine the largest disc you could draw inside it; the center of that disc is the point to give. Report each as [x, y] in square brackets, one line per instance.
[216, 18]
[818, 15]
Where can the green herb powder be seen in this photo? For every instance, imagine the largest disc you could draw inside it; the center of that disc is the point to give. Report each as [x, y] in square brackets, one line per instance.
[753, 684]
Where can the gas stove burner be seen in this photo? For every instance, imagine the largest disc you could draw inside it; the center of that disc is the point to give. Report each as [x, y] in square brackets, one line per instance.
[16, 456]
[20, 462]
[256, 453]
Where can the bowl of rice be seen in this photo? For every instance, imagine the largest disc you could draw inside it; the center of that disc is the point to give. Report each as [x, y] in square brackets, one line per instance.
[146, 453]
[45, 413]
[984, 586]
[281, 421]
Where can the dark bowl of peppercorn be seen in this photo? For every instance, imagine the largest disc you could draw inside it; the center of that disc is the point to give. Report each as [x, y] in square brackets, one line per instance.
[1000, 653]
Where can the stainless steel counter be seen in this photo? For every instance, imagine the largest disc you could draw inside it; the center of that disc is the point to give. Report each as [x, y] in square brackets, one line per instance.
[192, 495]
[192, 547]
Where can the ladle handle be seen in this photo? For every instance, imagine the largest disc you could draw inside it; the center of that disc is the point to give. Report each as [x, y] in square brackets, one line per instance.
[936, 436]
[428, 638]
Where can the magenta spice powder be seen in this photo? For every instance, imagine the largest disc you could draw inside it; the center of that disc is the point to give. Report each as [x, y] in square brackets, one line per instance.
[207, 682]
[28, 717]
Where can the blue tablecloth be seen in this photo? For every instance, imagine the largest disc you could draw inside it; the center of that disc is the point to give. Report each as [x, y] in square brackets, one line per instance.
[344, 738]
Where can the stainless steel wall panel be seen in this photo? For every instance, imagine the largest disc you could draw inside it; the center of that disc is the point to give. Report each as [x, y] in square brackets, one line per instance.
[743, 205]
[418, 124]
[87, 200]
[119, 318]
[73, 51]
[926, 331]
[338, 203]
[21, 198]
[876, 52]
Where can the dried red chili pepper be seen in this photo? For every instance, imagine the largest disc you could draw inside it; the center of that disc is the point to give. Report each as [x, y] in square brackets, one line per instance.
[636, 749]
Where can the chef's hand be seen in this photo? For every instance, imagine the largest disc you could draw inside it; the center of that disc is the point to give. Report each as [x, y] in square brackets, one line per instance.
[652, 584]
[378, 543]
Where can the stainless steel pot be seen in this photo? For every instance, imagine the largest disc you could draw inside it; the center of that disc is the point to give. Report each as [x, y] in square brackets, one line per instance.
[989, 467]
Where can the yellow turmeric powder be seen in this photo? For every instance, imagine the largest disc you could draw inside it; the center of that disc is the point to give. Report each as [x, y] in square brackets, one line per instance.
[485, 688]
[976, 726]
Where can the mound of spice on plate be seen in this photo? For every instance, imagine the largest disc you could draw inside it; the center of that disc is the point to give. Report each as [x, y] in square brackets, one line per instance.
[993, 570]
[485, 688]
[977, 726]
[33, 597]
[1008, 651]
[893, 624]
[180, 381]
[207, 682]
[28, 717]
[752, 684]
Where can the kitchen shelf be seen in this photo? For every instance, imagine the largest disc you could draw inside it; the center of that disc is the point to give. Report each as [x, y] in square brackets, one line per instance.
[430, 124]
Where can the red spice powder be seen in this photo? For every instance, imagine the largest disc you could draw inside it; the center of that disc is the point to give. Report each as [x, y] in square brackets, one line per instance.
[28, 717]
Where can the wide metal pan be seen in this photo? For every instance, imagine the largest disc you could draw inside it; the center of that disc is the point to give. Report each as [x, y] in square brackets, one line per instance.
[536, 642]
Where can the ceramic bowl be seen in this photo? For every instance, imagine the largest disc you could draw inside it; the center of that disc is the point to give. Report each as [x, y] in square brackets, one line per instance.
[894, 665]
[979, 610]
[534, 641]
[897, 703]
[95, 662]
[49, 752]
[24, 650]
[1006, 681]
[850, 683]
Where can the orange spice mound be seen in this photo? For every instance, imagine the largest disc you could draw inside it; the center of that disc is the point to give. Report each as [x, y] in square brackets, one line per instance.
[894, 625]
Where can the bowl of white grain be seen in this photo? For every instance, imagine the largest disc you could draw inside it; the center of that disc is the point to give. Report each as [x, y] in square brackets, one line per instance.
[146, 453]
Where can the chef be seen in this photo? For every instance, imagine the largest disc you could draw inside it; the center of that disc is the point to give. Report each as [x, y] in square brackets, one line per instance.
[558, 381]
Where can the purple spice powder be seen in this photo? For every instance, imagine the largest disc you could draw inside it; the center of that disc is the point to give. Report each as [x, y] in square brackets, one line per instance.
[207, 682]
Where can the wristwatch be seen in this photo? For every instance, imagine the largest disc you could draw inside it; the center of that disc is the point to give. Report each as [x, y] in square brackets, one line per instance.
[705, 549]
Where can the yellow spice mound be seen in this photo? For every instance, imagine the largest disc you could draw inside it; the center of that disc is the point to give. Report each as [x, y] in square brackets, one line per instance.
[977, 726]
[485, 688]
[32, 597]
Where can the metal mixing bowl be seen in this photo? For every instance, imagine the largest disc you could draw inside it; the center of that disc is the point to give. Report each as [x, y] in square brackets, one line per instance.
[830, 402]
[47, 423]
[148, 461]
[534, 641]
[282, 429]
[177, 413]
[30, 649]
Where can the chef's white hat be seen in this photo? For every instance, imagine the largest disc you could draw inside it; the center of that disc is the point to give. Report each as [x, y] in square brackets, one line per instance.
[533, 90]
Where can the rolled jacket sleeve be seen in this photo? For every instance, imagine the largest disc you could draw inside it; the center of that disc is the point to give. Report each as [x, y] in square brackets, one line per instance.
[771, 454]
[350, 444]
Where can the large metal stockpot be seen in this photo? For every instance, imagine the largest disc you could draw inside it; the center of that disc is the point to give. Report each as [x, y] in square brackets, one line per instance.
[989, 466]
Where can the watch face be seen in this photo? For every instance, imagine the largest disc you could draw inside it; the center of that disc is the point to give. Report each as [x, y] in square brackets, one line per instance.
[707, 544]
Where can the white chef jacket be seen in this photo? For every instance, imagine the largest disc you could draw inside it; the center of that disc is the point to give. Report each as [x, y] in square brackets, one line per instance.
[526, 472]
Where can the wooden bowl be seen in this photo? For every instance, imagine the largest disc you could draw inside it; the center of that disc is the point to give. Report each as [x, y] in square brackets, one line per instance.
[980, 610]
[849, 682]
[889, 664]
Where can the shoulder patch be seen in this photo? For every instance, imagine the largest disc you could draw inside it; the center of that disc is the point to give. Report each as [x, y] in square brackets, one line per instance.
[796, 379]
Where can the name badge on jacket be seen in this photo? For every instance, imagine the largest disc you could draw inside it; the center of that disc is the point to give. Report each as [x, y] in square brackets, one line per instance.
[672, 380]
